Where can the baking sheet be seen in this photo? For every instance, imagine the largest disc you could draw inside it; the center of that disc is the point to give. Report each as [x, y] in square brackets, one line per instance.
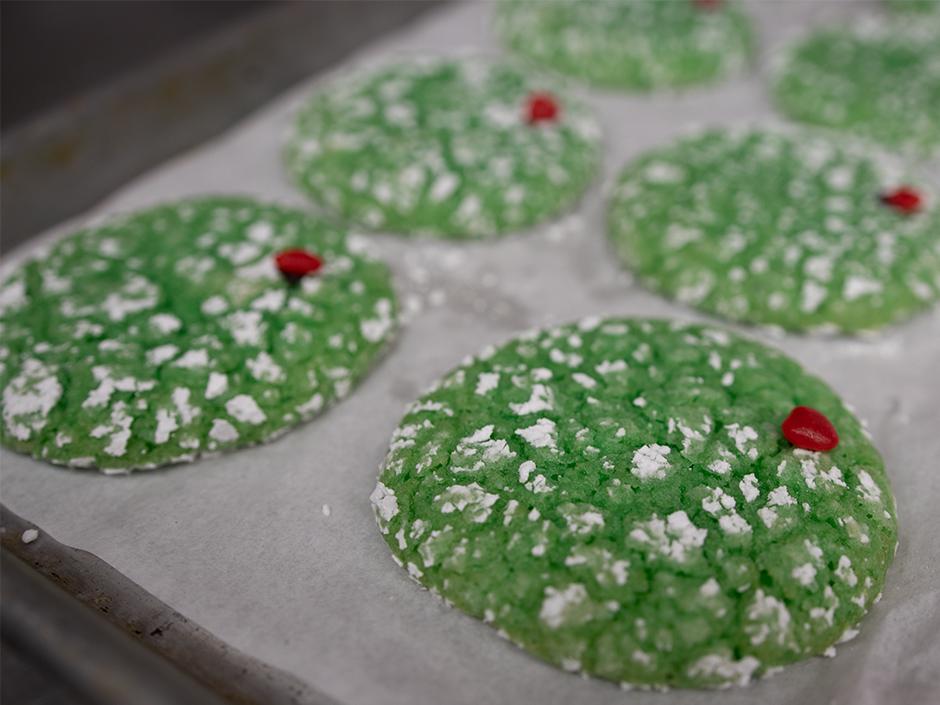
[241, 543]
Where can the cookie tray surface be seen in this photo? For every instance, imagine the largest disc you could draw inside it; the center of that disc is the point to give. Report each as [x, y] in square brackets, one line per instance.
[275, 549]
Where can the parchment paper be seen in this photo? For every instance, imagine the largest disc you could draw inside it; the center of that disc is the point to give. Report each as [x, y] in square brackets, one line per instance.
[240, 543]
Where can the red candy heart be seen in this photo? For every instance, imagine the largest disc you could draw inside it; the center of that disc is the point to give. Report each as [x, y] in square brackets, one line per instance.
[903, 199]
[809, 429]
[297, 263]
[707, 4]
[541, 107]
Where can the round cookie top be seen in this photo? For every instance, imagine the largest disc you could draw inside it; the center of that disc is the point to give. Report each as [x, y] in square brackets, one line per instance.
[878, 81]
[630, 44]
[617, 497]
[913, 5]
[453, 148]
[169, 333]
[780, 228]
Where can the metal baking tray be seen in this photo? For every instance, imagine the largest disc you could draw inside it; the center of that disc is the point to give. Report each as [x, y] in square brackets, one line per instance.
[240, 544]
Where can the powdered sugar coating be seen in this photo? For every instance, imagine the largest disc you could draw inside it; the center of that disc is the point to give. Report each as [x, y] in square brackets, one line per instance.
[877, 80]
[442, 147]
[629, 44]
[593, 531]
[778, 227]
[169, 333]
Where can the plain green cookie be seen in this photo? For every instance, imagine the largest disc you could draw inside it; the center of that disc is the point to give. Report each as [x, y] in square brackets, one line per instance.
[167, 334]
[616, 497]
[630, 44]
[878, 82]
[779, 228]
[918, 6]
[443, 147]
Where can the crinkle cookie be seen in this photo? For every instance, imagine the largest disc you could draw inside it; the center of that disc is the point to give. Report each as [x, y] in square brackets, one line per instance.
[630, 44]
[919, 6]
[453, 148]
[170, 333]
[618, 498]
[878, 81]
[781, 228]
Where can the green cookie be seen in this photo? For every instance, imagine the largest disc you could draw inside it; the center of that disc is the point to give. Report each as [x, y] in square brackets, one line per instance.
[913, 5]
[779, 228]
[170, 333]
[446, 148]
[878, 82]
[616, 497]
[630, 44]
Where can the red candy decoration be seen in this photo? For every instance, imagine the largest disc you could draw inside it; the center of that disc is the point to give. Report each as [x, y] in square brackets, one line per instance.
[707, 4]
[541, 107]
[903, 199]
[809, 429]
[297, 263]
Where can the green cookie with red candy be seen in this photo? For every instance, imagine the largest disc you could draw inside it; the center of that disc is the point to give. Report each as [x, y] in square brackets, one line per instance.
[783, 228]
[645, 501]
[449, 148]
[189, 328]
